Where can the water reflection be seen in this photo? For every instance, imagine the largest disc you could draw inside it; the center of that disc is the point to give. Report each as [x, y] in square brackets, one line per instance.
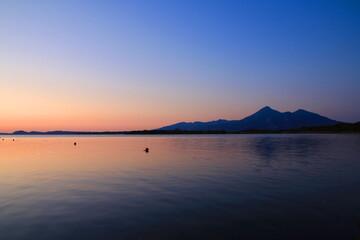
[289, 148]
[186, 187]
[269, 147]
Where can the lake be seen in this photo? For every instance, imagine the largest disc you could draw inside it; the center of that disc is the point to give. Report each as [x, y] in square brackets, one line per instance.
[275, 186]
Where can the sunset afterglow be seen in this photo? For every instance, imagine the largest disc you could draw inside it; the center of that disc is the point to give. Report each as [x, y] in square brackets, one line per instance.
[98, 66]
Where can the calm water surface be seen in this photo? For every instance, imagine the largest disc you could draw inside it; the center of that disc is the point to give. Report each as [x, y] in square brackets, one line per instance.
[186, 187]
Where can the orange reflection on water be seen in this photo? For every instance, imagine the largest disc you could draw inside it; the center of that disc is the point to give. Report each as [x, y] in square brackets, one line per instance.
[36, 159]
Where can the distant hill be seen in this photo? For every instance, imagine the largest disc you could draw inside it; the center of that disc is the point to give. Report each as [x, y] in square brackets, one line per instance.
[265, 119]
[21, 132]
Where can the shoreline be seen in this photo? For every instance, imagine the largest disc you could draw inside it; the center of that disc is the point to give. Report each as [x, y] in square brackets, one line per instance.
[342, 128]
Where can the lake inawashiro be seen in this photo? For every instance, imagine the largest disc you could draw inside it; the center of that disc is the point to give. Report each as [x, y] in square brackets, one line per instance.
[187, 187]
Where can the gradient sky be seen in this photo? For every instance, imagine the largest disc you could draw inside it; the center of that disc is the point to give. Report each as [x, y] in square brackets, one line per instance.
[122, 65]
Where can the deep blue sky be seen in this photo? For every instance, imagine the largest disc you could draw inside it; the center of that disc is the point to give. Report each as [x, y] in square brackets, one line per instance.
[144, 64]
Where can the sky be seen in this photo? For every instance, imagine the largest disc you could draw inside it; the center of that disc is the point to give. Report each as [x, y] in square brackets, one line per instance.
[125, 65]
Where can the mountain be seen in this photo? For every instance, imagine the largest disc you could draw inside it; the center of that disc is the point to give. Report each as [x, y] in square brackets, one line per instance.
[265, 119]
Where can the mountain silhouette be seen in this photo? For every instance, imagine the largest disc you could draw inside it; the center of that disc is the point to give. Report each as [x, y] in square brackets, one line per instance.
[264, 119]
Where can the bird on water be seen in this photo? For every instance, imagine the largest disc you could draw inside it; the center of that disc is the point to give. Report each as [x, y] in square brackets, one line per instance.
[74, 143]
[146, 150]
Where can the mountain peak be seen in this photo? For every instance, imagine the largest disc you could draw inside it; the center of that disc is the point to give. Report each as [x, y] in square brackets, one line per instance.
[266, 109]
[302, 111]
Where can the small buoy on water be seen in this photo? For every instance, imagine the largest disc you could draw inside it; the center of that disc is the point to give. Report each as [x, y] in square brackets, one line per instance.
[146, 150]
[74, 143]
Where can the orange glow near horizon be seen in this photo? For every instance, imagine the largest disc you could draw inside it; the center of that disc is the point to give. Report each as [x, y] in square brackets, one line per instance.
[42, 102]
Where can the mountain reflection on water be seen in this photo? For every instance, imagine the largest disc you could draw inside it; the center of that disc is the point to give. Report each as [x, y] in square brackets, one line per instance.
[187, 187]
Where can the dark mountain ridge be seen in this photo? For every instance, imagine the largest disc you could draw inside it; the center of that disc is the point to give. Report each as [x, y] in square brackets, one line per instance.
[264, 119]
